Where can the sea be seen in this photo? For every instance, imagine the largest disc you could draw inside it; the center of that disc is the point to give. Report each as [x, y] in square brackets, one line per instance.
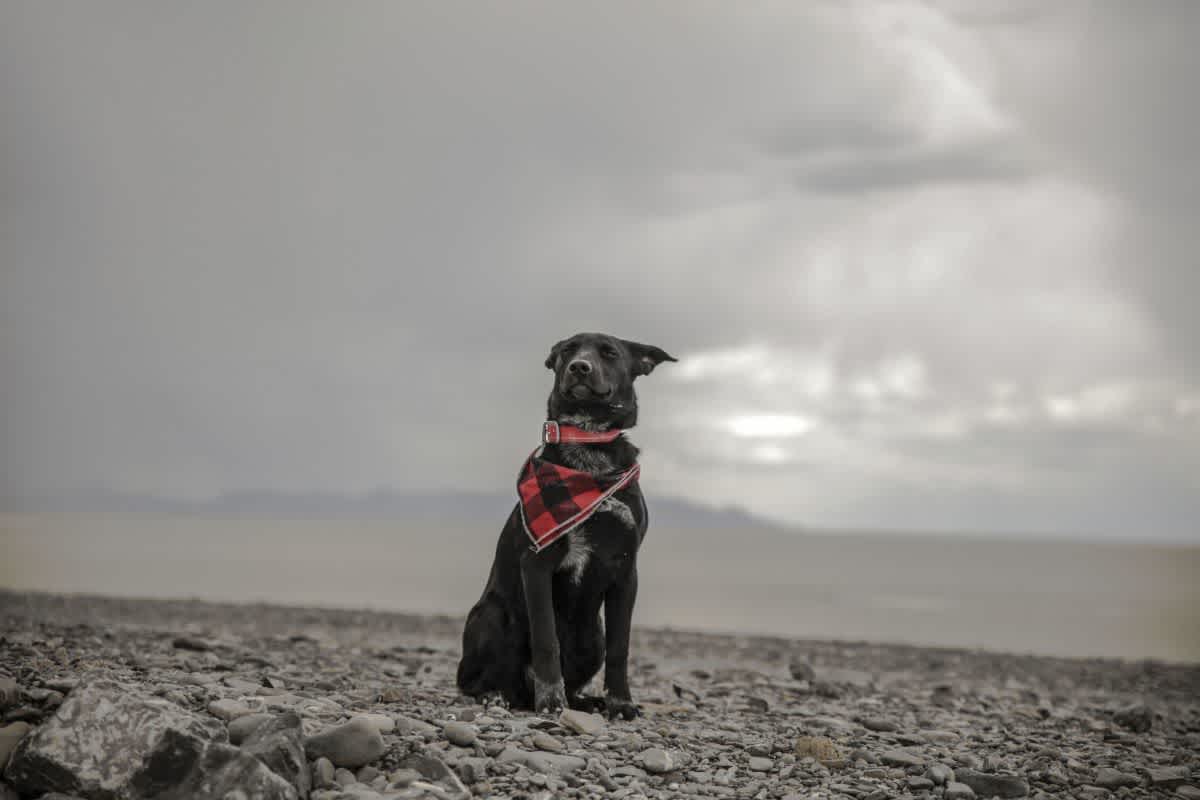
[1121, 600]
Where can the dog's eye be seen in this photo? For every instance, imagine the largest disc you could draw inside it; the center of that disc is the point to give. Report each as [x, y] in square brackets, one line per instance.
[609, 352]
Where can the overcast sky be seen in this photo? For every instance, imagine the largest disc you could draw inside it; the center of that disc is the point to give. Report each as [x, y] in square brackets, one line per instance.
[925, 265]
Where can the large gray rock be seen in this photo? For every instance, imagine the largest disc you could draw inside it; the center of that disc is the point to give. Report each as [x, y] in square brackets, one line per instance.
[279, 743]
[104, 738]
[223, 772]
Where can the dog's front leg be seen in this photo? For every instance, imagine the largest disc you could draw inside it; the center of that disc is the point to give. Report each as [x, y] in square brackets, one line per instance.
[618, 619]
[549, 694]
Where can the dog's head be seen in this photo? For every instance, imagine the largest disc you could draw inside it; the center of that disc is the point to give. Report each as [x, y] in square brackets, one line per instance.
[593, 378]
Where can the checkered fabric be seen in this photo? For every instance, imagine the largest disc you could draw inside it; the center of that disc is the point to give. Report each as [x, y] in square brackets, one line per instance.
[555, 499]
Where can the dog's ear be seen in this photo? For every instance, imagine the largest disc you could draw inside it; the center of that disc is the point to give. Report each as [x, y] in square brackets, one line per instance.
[552, 359]
[646, 357]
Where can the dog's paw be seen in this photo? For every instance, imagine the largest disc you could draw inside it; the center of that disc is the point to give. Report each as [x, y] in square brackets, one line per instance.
[493, 700]
[550, 699]
[589, 703]
[621, 708]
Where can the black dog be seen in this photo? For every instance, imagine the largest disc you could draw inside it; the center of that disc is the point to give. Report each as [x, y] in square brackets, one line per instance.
[535, 637]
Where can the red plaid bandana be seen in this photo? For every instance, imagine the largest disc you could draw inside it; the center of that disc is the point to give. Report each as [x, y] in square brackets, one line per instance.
[554, 498]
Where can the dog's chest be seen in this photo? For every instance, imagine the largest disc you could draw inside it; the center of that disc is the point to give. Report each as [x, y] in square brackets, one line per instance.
[582, 542]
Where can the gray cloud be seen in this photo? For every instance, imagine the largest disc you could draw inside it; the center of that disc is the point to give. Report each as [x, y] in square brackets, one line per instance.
[327, 249]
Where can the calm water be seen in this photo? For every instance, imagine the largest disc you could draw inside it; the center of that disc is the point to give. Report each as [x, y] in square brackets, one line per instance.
[1050, 598]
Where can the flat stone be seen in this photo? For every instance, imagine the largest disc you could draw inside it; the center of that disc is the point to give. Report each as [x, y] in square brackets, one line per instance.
[354, 744]
[1188, 792]
[1168, 777]
[760, 764]
[10, 735]
[384, 723]
[242, 727]
[992, 785]
[279, 743]
[410, 725]
[582, 722]
[901, 758]
[1110, 778]
[958, 791]
[544, 741]
[460, 733]
[657, 761]
[104, 738]
[229, 710]
[917, 783]
[879, 724]
[546, 763]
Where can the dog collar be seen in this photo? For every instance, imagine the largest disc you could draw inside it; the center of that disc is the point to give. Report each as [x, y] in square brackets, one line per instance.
[556, 433]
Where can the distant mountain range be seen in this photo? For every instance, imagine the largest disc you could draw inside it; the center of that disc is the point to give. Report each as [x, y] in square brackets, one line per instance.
[376, 504]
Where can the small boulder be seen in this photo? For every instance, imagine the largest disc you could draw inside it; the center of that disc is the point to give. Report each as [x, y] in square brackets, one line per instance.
[352, 744]
[279, 743]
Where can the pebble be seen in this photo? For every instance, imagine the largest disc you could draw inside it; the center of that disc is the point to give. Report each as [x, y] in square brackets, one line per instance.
[657, 761]
[879, 724]
[460, 733]
[958, 791]
[353, 744]
[1137, 718]
[582, 722]
[409, 725]
[228, 710]
[917, 783]
[10, 735]
[989, 785]
[940, 774]
[901, 758]
[1167, 777]
[10, 693]
[384, 723]
[243, 726]
[1109, 778]
[544, 741]
[1188, 792]
[322, 773]
[820, 748]
[758, 764]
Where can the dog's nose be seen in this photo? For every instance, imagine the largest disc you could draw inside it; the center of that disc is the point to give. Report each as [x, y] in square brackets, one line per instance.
[579, 367]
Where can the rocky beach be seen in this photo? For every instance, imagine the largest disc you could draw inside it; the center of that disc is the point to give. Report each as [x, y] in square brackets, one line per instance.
[116, 698]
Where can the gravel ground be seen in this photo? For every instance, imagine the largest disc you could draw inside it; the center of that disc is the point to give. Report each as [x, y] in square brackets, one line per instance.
[363, 704]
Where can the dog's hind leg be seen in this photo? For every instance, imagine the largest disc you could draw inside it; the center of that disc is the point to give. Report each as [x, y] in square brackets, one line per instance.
[491, 669]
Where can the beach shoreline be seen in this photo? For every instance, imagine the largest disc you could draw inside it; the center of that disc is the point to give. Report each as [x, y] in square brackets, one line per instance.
[732, 714]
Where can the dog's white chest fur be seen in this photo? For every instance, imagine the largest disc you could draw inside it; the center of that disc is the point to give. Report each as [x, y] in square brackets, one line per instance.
[579, 543]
